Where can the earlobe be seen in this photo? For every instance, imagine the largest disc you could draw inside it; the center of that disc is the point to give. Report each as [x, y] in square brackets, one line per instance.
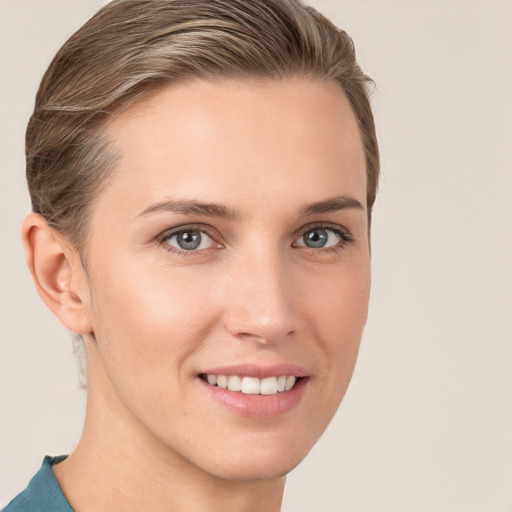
[58, 273]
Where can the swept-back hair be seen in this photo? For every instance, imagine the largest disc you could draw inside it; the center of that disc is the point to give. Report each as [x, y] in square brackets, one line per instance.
[131, 47]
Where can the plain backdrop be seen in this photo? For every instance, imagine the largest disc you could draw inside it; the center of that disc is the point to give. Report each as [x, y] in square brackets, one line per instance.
[427, 421]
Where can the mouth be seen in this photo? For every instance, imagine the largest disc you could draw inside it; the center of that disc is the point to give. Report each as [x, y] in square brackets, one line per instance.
[252, 385]
[256, 391]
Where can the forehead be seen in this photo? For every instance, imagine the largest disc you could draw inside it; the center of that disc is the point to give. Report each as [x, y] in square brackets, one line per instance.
[234, 139]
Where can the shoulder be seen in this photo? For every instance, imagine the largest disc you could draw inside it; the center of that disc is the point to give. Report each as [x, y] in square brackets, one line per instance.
[43, 493]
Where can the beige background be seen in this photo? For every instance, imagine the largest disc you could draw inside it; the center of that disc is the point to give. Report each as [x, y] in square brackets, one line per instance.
[427, 423]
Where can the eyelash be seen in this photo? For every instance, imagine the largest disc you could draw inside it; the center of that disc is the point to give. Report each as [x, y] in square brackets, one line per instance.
[183, 229]
[344, 235]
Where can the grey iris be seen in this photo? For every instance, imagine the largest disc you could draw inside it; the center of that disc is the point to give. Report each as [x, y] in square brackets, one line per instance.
[316, 238]
[189, 240]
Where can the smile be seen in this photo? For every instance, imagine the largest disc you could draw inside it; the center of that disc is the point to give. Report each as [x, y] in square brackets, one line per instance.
[252, 385]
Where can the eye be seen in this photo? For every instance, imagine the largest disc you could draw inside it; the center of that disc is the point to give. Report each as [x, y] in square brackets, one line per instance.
[322, 237]
[189, 240]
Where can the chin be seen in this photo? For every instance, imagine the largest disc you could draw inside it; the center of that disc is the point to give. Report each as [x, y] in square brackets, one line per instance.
[257, 461]
[251, 471]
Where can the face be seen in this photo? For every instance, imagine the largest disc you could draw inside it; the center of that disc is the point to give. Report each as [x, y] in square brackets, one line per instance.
[230, 249]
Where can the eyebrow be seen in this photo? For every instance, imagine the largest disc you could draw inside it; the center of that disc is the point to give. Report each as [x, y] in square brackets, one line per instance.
[332, 204]
[193, 207]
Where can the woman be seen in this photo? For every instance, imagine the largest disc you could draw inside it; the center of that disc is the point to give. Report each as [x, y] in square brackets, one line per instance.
[202, 175]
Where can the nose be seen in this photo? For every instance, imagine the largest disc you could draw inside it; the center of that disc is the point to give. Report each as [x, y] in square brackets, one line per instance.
[260, 303]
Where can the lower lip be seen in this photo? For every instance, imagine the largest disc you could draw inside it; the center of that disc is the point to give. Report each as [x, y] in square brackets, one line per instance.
[259, 406]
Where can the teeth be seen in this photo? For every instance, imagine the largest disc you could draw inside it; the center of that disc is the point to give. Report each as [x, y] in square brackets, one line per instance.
[234, 383]
[253, 385]
[269, 386]
[290, 382]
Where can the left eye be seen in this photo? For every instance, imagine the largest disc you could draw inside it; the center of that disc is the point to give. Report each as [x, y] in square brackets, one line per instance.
[319, 238]
[189, 240]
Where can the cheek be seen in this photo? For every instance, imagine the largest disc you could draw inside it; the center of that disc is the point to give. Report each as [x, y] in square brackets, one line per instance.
[339, 298]
[336, 313]
[147, 322]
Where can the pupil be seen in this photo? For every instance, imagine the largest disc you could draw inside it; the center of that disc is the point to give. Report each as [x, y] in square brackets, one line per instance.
[189, 240]
[316, 239]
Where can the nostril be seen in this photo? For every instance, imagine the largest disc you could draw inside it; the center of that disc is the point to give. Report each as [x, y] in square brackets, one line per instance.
[266, 336]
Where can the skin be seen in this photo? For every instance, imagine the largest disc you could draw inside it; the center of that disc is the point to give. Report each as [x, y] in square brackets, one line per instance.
[153, 317]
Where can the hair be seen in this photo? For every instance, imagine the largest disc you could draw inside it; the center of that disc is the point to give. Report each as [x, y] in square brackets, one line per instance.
[132, 47]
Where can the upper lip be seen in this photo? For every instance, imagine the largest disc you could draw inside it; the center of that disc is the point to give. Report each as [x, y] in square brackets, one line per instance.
[259, 371]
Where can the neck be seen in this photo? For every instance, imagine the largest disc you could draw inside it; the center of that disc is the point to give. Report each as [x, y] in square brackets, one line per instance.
[119, 466]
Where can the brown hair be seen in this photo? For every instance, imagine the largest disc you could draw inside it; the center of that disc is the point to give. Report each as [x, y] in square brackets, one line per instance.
[132, 46]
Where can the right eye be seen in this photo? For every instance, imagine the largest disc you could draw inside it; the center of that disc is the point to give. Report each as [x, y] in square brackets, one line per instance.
[189, 240]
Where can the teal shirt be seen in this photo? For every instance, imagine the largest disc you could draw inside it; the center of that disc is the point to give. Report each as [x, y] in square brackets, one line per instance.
[43, 493]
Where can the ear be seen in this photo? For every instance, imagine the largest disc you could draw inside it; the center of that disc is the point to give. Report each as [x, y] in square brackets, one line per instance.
[58, 273]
